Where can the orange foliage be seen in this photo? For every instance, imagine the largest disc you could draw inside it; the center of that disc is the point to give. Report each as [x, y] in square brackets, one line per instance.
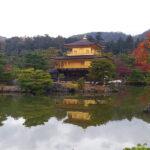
[141, 53]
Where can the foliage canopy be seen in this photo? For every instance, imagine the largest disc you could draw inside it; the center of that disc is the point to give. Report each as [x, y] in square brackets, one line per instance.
[35, 61]
[6, 75]
[34, 81]
[101, 69]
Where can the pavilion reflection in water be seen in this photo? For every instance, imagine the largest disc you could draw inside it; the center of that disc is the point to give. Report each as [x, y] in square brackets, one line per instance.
[81, 112]
[86, 103]
[77, 115]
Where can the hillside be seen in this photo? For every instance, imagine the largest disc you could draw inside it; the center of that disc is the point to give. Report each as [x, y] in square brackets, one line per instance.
[113, 36]
[107, 36]
[143, 35]
[115, 42]
[2, 38]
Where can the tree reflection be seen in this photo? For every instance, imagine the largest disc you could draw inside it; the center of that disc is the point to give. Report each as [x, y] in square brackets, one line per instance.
[37, 110]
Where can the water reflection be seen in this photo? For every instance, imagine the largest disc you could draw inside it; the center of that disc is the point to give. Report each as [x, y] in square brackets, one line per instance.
[37, 110]
[75, 122]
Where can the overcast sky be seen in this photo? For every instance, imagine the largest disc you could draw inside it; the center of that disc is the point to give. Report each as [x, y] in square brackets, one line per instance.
[69, 17]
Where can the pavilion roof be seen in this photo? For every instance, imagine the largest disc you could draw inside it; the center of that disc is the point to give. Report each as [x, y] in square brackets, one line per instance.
[83, 42]
[80, 57]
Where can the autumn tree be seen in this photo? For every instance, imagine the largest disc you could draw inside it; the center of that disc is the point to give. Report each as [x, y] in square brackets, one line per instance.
[141, 53]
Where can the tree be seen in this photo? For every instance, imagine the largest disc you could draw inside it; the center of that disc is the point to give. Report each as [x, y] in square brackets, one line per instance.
[99, 38]
[141, 53]
[36, 61]
[127, 59]
[101, 69]
[121, 45]
[6, 74]
[19, 45]
[90, 38]
[34, 81]
[129, 43]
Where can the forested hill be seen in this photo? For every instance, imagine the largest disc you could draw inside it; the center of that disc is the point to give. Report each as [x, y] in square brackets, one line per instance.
[2, 38]
[106, 36]
[115, 42]
[143, 35]
[113, 36]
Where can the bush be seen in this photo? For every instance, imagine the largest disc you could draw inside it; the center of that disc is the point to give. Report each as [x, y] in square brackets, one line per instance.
[34, 81]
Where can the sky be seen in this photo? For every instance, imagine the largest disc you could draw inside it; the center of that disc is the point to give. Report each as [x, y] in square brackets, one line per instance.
[70, 17]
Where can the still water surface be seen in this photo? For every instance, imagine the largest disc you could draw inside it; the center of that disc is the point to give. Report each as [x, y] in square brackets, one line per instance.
[74, 122]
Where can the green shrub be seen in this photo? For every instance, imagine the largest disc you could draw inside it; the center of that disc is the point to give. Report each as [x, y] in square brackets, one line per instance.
[34, 81]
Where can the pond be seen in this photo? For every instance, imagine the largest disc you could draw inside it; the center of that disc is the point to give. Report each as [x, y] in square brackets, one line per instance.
[75, 122]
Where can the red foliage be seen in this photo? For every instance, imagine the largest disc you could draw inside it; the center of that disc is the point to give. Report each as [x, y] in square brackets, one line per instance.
[144, 67]
[141, 54]
[123, 71]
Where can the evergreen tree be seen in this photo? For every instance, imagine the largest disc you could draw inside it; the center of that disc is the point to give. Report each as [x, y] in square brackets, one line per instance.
[35, 61]
[129, 43]
[101, 69]
[99, 38]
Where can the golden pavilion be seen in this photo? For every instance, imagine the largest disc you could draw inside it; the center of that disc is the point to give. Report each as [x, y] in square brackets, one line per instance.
[78, 59]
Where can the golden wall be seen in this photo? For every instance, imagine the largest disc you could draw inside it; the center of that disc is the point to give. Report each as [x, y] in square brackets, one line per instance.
[83, 51]
[72, 64]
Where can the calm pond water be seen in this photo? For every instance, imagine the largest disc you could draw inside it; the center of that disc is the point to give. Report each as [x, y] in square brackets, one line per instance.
[74, 122]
